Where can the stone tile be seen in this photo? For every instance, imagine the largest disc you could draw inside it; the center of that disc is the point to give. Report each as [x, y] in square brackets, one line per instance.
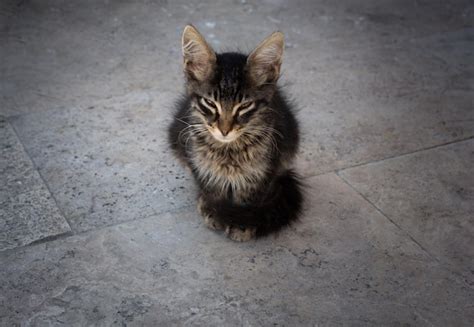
[384, 101]
[62, 55]
[109, 162]
[27, 211]
[373, 79]
[344, 264]
[17, 173]
[430, 195]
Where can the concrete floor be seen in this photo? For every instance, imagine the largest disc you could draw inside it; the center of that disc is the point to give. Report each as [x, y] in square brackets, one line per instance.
[98, 223]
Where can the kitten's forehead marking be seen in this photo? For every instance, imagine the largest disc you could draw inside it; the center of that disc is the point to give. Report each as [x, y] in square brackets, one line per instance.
[234, 109]
[219, 108]
[230, 83]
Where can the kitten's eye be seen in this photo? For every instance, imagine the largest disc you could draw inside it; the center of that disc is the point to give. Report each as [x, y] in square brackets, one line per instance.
[207, 107]
[246, 109]
[209, 103]
[245, 105]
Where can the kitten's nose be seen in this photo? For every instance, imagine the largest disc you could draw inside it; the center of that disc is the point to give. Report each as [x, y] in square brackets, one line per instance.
[225, 126]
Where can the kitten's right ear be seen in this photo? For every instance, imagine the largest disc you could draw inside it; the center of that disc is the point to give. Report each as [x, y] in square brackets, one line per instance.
[199, 58]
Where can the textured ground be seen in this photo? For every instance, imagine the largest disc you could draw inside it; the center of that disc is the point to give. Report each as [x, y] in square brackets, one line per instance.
[98, 223]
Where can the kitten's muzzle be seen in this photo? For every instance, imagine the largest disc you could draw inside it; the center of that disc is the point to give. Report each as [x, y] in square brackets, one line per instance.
[225, 126]
[225, 132]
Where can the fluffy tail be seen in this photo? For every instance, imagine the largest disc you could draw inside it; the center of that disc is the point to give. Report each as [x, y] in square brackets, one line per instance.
[281, 207]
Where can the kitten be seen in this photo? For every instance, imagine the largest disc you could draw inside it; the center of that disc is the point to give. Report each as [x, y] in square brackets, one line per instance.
[236, 132]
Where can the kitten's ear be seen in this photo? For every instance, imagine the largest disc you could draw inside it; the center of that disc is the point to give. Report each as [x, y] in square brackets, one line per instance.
[199, 58]
[264, 62]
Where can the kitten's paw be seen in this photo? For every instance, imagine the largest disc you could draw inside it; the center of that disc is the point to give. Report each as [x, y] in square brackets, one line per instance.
[213, 224]
[210, 222]
[240, 235]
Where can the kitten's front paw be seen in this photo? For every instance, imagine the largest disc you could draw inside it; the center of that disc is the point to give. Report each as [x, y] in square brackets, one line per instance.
[213, 224]
[240, 235]
[210, 222]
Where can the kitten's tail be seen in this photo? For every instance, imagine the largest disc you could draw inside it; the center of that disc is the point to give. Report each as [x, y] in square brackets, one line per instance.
[282, 206]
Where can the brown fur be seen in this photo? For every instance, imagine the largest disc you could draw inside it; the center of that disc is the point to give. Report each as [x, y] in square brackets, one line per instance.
[236, 133]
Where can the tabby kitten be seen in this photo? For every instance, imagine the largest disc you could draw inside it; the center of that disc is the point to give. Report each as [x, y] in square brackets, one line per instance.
[236, 132]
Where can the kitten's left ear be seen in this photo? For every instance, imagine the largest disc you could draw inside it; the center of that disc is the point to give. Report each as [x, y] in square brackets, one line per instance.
[199, 58]
[264, 62]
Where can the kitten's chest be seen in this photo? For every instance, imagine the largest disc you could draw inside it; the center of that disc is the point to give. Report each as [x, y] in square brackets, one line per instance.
[241, 170]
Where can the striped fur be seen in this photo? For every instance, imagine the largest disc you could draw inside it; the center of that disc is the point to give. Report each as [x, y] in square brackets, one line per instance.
[237, 133]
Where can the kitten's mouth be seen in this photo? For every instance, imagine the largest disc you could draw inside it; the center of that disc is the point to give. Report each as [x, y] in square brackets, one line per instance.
[232, 136]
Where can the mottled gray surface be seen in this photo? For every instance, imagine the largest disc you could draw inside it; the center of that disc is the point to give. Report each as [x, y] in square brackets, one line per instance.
[170, 270]
[108, 162]
[388, 100]
[28, 213]
[430, 195]
[385, 92]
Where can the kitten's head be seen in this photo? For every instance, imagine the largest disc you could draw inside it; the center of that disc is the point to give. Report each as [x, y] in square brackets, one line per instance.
[230, 91]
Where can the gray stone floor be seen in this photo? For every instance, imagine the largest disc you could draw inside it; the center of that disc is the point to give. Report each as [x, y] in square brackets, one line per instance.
[98, 223]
